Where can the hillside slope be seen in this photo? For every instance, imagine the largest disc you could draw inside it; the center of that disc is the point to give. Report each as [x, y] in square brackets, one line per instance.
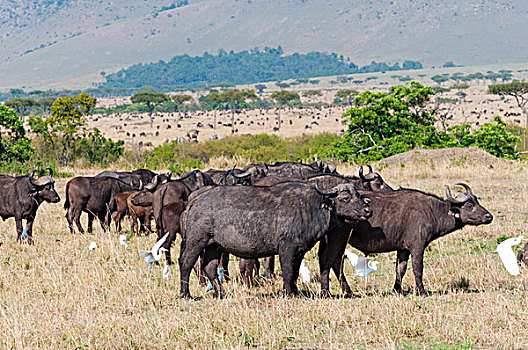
[64, 43]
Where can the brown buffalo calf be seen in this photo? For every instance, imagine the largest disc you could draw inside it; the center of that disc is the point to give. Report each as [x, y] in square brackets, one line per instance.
[144, 214]
[249, 269]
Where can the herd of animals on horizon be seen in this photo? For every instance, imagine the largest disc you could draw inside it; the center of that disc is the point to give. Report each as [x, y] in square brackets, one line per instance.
[258, 212]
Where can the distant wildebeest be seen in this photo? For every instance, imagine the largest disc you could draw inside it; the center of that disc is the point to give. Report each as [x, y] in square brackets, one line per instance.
[253, 222]
[406, 221]
[91, 195]
[21, 196]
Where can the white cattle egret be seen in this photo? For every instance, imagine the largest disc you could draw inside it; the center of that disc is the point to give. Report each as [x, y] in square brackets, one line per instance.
[153, 255]
[123, 240]
[92, 246]
[220, 278]
[508, 257]
[166, 272]
[363, 265]
[305, 273]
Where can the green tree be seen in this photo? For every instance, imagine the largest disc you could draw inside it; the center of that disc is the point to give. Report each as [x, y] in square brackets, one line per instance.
[150, 98]
[14, 145]
[347, 95]
[181, 99]
[516, 89]
[283, 97]
[385, 123]
[312, 94]
[60, 129]
[21, 105]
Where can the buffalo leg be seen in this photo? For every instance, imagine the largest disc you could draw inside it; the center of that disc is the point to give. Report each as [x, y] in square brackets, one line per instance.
[287, 262]
[331, 252]
[133, 223]
[189, 253]
[167, 245]
[20, 228]
[69, 217]
[224, 262]
[417, 264]
[29, 227]
[269, 266]
[77, 218]
[401, 267]
[295, 272]
[211, 258]
[104, 221]
[90, 222]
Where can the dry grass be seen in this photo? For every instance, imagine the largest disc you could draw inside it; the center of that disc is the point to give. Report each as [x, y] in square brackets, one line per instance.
[57, 294]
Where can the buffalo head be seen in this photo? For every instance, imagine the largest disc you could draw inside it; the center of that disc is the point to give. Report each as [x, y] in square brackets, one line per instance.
[143, 198]
[466, 207]
[373, 181]
[347, 202]
[44, 187]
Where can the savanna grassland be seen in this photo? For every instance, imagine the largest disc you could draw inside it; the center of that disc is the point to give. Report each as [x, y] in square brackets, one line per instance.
[58, 294]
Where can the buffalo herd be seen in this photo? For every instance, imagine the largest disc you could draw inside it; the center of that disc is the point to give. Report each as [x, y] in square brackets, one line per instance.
[257, 212]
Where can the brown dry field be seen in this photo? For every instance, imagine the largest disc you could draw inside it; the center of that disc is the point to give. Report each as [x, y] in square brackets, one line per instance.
[58, 294]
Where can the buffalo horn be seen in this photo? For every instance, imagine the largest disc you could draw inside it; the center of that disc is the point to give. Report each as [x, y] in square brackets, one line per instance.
[468, 189]
[40, 182]
[361, 173]
[140, 184]
[31, 177]
[50, 171]
[330, 192]
[242, 175]
[169, 174]
[455, 200]
[152, 186]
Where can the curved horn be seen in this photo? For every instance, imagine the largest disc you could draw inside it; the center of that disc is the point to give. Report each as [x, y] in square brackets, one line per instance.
[242, 175]
[361, 173]
[50, 171]
[450, 197]
[370, 168]
[140, 184]
[468, 189]
[152, 186]
[32, 178]
[169, 174]
[329, 192]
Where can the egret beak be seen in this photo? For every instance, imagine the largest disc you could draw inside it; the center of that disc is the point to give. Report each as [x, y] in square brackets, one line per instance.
[525, 238]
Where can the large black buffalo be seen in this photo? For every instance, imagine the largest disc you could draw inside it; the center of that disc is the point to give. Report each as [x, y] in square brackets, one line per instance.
[136, 178]
[21, 196]
[291, 170]
[253, 222]
[93, 196]
[230, 177]
[406, 221]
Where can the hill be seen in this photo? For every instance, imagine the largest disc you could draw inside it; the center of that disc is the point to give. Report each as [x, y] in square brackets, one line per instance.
[58, 43]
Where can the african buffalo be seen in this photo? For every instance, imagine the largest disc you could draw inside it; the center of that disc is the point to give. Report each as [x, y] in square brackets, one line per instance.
[120, 206]
[91, 195]
[406, 221]
[253, 222]
[21, 196]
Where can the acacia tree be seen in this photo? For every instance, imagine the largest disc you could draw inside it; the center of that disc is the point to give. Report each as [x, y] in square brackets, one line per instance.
[516, 89]
[181, 99]
[283, 97]
[21, 105]
[14, 145]
[234, 97]
[68, 116]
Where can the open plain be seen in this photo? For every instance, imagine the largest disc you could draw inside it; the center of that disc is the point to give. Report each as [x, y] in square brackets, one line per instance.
[58, 294]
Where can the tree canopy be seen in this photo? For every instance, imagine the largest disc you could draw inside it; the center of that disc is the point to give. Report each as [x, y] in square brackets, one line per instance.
[14, 145]
[517, 89]
[150, 98]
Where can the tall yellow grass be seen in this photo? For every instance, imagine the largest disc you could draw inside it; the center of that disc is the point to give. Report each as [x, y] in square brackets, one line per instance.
[58, 294]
